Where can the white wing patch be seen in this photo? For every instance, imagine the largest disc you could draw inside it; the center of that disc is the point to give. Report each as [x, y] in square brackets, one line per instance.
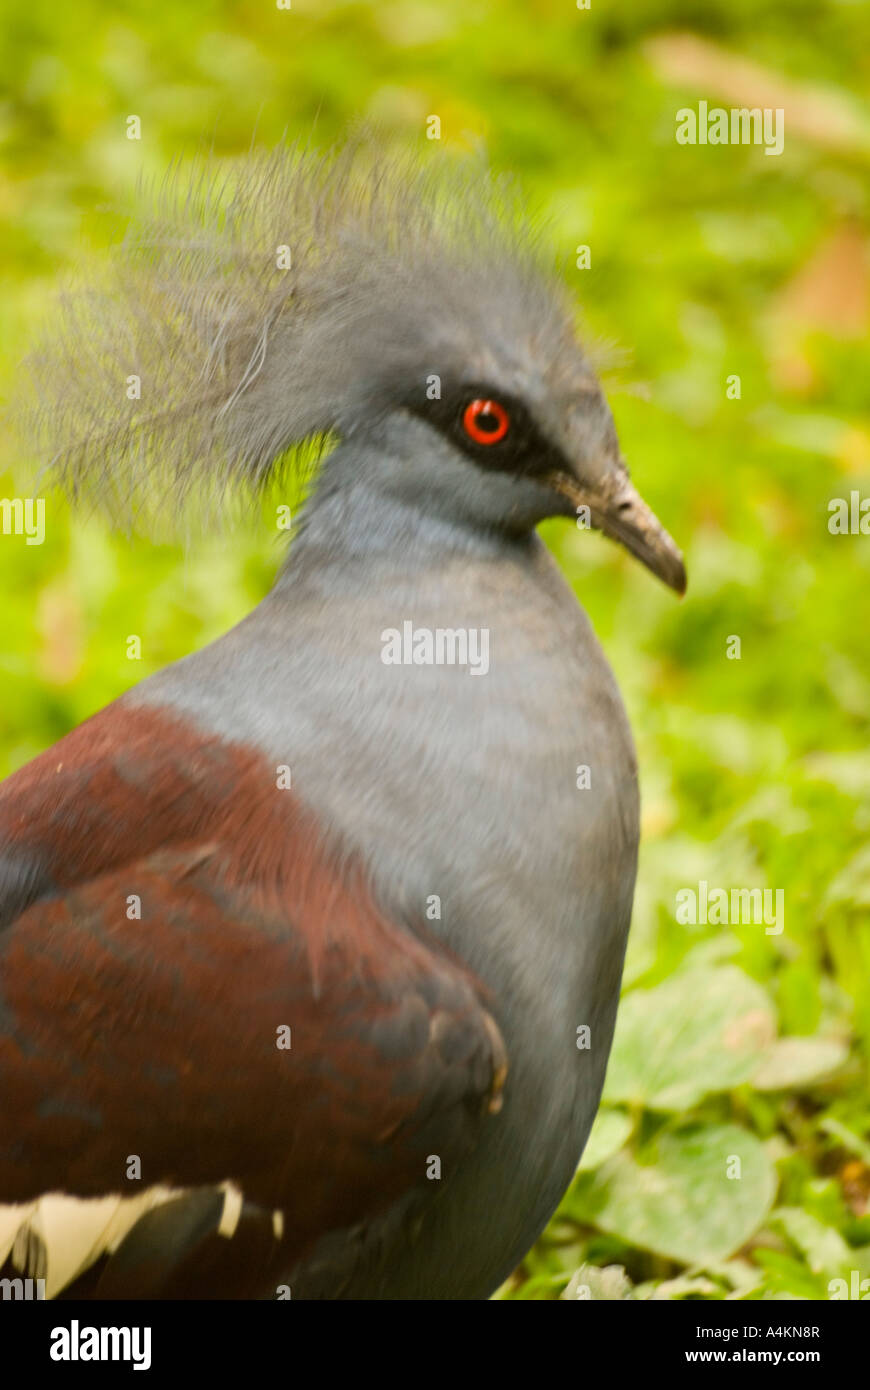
[56, 1238]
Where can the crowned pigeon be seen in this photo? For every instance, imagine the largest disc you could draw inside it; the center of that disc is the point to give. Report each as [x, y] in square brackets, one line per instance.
[311, 943]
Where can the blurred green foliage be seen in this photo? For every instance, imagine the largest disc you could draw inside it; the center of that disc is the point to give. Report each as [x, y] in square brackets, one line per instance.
[706, 262]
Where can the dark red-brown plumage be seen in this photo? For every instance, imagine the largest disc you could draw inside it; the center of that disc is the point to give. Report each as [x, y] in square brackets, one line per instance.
[157, 1034]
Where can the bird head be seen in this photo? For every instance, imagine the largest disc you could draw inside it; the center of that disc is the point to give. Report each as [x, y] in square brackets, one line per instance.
[295, 298]
[513, 443]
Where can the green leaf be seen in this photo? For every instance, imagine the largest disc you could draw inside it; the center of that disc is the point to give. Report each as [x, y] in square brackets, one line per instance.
[676, 1198]
[852, 884]
[609, 1133]
[701, 1032]
[823, 1248]
[590, 1282]
[796, 1062]
[853, 1142]
[849, 772]
[684, 1286]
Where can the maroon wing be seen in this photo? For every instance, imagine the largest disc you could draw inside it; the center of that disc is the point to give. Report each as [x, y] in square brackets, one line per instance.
[189, 977]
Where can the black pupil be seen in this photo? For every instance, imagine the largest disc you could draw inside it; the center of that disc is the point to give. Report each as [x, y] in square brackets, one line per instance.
[487, 421]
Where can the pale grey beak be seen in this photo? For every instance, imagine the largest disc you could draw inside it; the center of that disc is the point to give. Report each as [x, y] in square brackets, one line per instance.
[625, 517]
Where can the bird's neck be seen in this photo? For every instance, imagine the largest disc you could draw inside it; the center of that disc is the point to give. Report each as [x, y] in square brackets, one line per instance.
[364, 519]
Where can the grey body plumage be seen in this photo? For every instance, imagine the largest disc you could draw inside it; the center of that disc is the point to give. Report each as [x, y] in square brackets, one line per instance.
[465, 788]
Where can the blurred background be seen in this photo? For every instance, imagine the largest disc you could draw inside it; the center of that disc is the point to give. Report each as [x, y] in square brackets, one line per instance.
[705, 263]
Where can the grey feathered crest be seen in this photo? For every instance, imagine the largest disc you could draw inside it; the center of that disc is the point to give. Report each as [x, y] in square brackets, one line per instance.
[271, 303]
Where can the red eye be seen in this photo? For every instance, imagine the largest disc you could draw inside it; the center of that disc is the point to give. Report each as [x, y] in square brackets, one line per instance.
[486, 422]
